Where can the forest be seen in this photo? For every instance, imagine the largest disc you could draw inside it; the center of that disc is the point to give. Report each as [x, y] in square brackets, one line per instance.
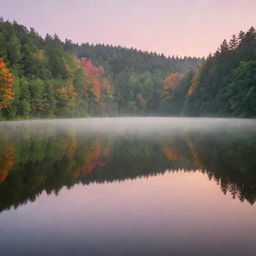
[48, 78]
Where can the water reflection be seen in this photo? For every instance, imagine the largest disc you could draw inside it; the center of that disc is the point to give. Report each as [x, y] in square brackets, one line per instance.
[42, 156]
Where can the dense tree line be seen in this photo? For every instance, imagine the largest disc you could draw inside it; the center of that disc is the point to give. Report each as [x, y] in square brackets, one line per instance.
[52, 78]
[45, 77]
[224, 85]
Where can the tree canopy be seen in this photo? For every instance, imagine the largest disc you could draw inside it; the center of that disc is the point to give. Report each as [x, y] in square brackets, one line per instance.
[46, 77]
[52, 78]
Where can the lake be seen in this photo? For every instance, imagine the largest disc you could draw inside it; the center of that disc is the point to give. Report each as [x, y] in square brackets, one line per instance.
[128, 186]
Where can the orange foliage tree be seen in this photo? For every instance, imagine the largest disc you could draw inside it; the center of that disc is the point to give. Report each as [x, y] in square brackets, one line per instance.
[170, 83]
[6, 82]
[6, 161]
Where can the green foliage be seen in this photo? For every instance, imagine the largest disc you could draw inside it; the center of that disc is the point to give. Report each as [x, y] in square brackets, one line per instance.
[61, 79]
[50, 80]
[241, 90]
[226, 83]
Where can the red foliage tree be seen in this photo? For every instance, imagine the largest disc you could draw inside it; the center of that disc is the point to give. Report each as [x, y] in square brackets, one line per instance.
[96, 79]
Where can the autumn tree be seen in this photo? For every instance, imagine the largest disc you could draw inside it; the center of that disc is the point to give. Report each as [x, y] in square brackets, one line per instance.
[67, 95]
[55, 78]
[225, 83]
[170, 83]
[174, 91]
[6, 82]
[96, 78]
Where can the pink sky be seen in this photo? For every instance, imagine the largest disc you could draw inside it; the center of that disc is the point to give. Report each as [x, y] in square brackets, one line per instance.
[172, 27]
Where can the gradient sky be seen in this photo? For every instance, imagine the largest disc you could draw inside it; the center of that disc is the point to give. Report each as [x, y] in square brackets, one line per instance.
[172, 27]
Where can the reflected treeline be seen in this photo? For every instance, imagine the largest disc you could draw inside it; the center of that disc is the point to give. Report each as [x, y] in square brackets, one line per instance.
[45, 158]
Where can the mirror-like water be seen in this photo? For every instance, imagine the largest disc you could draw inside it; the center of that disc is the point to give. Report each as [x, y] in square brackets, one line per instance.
[128, 186]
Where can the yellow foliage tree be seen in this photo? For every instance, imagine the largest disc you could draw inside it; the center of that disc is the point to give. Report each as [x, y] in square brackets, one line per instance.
[67, 95]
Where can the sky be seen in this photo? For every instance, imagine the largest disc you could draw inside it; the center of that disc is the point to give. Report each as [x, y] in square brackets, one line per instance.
[172, 27]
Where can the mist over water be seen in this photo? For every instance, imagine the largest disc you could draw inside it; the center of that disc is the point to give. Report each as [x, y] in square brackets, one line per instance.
[128, 186]
[135, 124]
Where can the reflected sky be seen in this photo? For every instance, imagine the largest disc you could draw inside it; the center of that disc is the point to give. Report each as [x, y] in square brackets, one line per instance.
[180, 213]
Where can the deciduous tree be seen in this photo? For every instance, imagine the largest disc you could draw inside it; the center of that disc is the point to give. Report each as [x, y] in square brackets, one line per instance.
[6, 82]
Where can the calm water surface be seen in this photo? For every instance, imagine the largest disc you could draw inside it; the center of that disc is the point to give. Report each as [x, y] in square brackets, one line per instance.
[128, 186]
